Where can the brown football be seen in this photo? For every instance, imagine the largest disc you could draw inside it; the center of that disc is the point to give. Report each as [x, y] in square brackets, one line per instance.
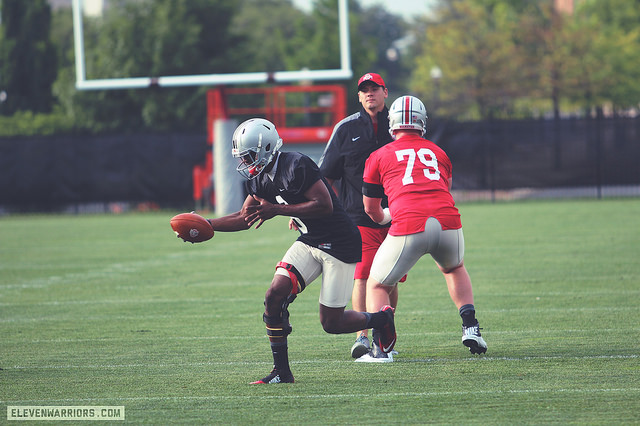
[192, 227]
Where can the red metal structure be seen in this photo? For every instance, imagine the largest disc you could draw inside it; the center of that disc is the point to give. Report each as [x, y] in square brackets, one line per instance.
[302, 114]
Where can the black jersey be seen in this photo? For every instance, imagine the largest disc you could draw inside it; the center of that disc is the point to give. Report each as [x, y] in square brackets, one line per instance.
[295, 173]
[351, 143]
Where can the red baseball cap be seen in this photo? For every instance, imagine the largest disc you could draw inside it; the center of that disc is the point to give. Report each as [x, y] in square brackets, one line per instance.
[373, 78]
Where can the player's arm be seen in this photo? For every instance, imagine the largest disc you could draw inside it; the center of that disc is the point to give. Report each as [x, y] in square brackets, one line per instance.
[292, 223]
[330, 182]
[234, 221]
[372, 200]
[373, 207]
[318, 204]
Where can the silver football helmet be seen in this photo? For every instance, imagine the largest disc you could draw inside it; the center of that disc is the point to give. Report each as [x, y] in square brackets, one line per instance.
[255, 143]
[408, 112]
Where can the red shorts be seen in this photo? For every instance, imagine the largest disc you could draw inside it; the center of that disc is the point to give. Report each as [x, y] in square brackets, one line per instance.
[371, 240]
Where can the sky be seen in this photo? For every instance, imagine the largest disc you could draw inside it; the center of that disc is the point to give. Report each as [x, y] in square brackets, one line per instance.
[406, 8]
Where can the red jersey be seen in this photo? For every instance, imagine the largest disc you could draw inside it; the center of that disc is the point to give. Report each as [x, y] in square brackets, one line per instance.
[415, 174]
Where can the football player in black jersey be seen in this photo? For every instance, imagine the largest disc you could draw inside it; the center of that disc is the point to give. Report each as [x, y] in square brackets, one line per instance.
[290, 184]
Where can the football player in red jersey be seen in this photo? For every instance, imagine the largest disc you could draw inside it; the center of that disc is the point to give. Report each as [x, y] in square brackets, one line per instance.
[415, 174]
[290, 184]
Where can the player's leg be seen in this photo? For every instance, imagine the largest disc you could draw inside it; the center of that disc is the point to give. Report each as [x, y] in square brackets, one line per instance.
[383, 338]
[334, 296]
[460, 290]
[458, 284]
[338, 320]
[449, 256]
[372, 238]
[381, 234]
[370, 243]
[276, 319]
[395, 257]
[359, 303]
[287, 282]
[393, 297]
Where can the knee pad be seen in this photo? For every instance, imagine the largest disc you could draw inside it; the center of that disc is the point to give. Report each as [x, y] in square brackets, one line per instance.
[277, 326]
[297, 281]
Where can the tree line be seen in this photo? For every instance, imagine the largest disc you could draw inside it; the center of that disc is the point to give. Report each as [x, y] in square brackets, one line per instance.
[466, 59]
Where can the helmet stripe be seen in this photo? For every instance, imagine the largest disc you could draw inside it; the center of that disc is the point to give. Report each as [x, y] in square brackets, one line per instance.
[407, 110]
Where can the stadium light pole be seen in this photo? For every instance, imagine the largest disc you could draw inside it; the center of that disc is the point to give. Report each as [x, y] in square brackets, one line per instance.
[436, 75]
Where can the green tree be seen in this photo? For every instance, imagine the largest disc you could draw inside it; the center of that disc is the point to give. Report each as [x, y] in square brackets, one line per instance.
[471, 42]
[382, 39]
[276, 35]
[152, 38]
[545, 46]
[505, 58]
[28, 57]
[609, 68]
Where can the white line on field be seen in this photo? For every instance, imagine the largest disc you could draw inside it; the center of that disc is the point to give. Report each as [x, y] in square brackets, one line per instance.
[129, 301]
[376, 394]
[314, 361]
[313, 336]
[111, 271]
[173, 316]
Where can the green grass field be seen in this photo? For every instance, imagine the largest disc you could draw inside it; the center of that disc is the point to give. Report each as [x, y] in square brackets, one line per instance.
[113, 310]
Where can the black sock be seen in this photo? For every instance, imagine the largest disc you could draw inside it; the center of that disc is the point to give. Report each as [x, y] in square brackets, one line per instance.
[376, 320]
[468, 314]
[280, 353]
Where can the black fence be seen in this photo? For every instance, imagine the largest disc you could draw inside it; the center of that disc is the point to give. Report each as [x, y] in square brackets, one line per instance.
[494, 159]
[56, 173]
[536, 157]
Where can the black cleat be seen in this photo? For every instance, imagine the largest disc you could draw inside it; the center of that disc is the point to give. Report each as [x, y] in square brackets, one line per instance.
[385, 337]
[275, 377]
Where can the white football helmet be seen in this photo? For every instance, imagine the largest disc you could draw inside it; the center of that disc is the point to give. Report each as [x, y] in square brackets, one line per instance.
[255, 143]
[408, 112]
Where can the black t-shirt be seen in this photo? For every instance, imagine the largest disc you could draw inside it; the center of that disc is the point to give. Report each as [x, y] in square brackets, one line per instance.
[351, 143]
[295, 173]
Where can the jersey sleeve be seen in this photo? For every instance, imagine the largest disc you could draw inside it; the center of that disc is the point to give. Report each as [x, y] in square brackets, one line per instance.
[371, 172]
[305, 174]
[371, 182]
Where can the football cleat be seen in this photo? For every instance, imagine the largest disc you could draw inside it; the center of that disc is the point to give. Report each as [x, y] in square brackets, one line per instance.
[360, 347]
[472, 339]
[385, 337]
[275, 377]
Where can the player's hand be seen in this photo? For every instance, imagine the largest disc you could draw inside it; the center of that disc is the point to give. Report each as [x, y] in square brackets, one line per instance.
[259, 212]
[386, 218]
[293, 225]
